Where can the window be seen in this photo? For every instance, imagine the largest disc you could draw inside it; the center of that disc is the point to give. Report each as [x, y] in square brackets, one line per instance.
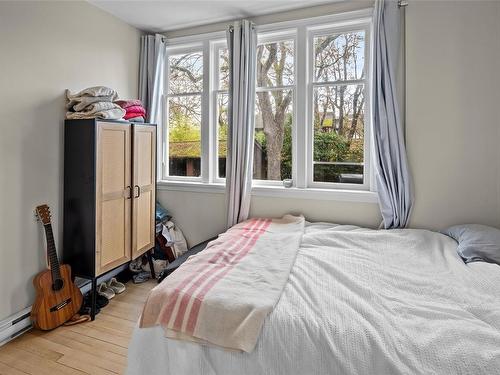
[275, 89]
[185, 91]
[338, 107]
[221, 100]
[311, 106]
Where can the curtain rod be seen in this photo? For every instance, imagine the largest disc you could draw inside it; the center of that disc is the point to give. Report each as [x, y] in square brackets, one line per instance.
[402, 3]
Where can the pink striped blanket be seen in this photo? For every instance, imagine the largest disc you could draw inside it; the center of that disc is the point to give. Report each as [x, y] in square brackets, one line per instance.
[222, 295]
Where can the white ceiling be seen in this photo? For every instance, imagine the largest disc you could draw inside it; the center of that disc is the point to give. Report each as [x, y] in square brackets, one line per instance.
[166, 15]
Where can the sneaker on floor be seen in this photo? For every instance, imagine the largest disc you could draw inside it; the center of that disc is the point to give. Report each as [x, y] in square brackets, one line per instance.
[101, 301]
[141, 277]
[103, 290]
[117, 286]
[86, 308]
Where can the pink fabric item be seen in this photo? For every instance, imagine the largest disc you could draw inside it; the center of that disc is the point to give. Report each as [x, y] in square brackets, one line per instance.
[133, 114]
[202, 272]
[128, 103]
[239, 248]
[222, 295]
[136, 109]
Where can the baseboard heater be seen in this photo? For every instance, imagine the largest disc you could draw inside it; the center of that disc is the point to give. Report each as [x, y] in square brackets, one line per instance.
[15, 326]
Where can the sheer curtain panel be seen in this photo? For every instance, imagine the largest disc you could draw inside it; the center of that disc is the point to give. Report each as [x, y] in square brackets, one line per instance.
[394, 183]
[242, 45]
[151, 75]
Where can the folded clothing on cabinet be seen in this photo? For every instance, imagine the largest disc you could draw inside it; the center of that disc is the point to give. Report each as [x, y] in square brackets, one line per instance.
[80, 103]
[128, 103]
[134, 110]
[93, 102]
[129, 115]
[108, 114]
[136, 119]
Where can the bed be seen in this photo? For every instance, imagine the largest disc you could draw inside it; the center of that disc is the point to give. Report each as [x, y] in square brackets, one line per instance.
[358, 301]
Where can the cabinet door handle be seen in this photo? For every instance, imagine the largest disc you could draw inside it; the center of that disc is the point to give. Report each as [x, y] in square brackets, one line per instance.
[129, 192]
[138, 191]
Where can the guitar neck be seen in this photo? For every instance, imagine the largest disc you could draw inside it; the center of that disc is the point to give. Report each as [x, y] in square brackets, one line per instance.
[52, 253]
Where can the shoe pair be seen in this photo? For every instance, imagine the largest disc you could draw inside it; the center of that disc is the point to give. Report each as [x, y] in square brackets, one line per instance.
[111, 288]
[86, 307]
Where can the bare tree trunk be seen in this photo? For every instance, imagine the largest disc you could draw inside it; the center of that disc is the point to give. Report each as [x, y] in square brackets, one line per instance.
[274, 142]
[325, 111]
[273, 122]
[356, 112]
[340, 127]
[316, 111]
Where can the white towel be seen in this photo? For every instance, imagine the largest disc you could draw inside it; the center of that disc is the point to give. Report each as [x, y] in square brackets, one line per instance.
[99, 106]
[81, 103]
[107, 114]
[93, 102]
[89, 95]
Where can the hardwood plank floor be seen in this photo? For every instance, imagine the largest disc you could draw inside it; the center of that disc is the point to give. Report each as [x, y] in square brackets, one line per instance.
[98, 347]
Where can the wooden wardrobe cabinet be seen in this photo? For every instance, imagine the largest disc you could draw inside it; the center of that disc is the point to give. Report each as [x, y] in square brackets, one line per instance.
[109, 194]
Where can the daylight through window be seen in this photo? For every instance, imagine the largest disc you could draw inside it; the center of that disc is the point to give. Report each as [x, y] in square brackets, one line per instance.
[338, 107]
[310, 108]
[184, 114]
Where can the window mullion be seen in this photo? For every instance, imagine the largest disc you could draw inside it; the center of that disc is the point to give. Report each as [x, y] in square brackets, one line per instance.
[274, 88]
[300, 138]
[184, 94]
[206, 142]
[164, 139]
[340, 83]
[165, 125]
[214, 106]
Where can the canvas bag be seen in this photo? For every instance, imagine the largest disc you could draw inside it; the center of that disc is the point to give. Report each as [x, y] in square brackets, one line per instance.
[178, 239]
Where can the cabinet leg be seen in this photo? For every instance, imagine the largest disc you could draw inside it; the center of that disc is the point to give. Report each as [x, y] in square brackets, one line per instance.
[93, 294]
[151, 266]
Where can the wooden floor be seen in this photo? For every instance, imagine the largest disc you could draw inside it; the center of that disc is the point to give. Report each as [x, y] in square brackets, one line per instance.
[98, 347]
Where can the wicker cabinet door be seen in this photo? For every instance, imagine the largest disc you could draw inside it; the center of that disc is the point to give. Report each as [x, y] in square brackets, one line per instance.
[113, 195]
[144, 191]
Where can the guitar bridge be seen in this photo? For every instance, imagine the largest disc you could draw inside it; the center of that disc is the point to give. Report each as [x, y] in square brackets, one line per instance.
[60, 305]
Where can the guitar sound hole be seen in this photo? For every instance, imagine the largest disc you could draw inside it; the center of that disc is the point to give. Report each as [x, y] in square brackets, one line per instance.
[58, 284]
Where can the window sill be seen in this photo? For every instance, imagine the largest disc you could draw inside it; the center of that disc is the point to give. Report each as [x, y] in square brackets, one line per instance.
[316, 193]
[191, 186]
[362, 196]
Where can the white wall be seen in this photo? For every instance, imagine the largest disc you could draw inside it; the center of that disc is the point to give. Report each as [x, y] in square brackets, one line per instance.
[46, 47]
[453, 111]
[202, 215]
[453, 127]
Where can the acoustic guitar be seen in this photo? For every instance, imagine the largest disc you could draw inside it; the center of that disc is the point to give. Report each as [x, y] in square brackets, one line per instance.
[57, 297]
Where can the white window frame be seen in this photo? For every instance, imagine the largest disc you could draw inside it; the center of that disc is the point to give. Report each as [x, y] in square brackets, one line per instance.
[314, 32]
[302, 33]
[215, 47]
[177, 50]
[276, 37]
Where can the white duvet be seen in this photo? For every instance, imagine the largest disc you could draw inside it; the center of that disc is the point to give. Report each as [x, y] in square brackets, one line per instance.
[359, 301]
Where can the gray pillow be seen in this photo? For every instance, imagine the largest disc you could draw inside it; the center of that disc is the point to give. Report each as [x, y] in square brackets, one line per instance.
[476, 243]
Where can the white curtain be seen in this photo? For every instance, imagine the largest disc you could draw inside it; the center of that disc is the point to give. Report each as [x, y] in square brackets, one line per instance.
[151, 75]
[394, 182]
[242, 45]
